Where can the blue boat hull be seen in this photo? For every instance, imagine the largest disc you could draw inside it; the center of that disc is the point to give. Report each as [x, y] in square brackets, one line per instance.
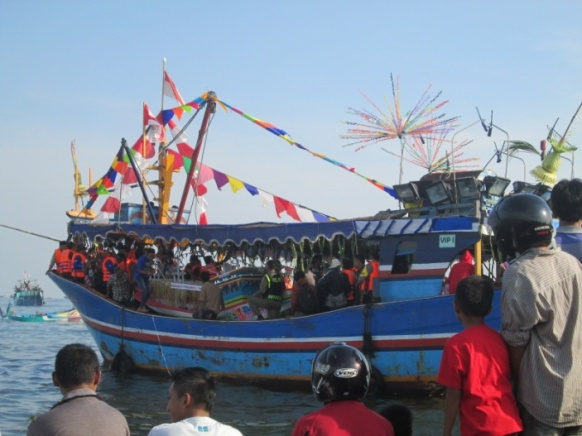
[403, 339]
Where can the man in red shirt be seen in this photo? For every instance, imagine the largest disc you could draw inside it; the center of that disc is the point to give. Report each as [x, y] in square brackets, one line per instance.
[340, 377]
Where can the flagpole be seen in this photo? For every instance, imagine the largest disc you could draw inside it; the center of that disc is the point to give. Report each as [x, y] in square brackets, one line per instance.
[210, 108]
[164, 177]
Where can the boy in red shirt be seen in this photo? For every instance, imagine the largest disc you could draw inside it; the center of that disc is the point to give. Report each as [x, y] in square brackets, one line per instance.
[475, 368]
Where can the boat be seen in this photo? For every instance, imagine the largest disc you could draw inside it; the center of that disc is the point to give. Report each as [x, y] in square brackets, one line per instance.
[402, 330]
[28, 293]
[71, 315]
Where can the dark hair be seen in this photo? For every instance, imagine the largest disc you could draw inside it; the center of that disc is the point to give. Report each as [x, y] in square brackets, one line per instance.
[270, 265]
[204, 276]
[197, 382]
[75, 364]
[400, 417]
[347, 263]
[474, 295]
[566, 200]
[360, 257]
[298, 275]
[150, 250]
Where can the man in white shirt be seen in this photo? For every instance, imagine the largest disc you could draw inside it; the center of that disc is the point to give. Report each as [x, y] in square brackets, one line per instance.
[190, 400]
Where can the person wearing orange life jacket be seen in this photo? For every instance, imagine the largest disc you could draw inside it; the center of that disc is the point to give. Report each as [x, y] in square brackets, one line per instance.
[348, 270]
[367, 272]
[78, 265]
[65, 261]
[55, 260]
[108, 265]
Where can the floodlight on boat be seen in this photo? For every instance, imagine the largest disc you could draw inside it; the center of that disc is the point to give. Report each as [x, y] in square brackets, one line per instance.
[437, 193]
[495, 186]
[407, 193]
[467, 188]
[523, 187]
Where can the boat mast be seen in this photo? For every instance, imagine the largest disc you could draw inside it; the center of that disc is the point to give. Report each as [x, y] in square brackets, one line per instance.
[165, 169]
[139, 181]
[210, 109]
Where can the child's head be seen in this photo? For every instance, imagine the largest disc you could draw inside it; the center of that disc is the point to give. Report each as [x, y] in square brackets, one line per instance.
[400, 417]
[474, 296]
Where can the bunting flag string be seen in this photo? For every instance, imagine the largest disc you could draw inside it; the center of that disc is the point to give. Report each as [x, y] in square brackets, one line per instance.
[168, 114]
[141, 151]
[284, 135]
[205, 174]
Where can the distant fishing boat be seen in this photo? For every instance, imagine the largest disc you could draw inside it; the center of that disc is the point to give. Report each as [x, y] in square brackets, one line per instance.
[28, 293]
[71, 315]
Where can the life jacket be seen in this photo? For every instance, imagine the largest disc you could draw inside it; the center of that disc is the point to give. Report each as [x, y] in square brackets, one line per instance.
[65, 261]
[368, 283]
[58, 253]
[108, 267]
[78, 264]
[275, 287]
[212, 269]
[364, 285]
[351, 274]
[375, 272]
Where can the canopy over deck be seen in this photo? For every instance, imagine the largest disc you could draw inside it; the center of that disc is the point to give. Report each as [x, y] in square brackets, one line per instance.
[267, 232]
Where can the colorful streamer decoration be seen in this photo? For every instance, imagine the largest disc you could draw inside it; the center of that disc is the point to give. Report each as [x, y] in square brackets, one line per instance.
[423, 120]
[435, 153]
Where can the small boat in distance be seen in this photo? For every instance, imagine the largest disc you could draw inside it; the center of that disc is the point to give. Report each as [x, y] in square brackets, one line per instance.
[28, 292]
[71, 315]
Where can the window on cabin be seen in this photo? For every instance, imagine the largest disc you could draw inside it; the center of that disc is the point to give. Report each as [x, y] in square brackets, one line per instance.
[403, 257]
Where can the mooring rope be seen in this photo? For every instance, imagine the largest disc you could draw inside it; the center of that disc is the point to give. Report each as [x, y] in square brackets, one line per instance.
[160, 345]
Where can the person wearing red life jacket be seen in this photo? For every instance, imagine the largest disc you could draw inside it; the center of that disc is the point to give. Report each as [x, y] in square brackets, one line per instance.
[464, 268]
[348, 270]
[211, 267]
[55, 260]
[65, 261]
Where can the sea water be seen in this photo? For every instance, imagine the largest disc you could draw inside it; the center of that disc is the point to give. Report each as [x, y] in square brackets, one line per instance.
[27, 352]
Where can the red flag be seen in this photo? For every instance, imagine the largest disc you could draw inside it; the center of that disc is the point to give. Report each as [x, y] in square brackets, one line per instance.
[292, 212]
[203, 220]
[111, 205]
[170, 89]
[145, 148]
[129, 178]
[280, 205]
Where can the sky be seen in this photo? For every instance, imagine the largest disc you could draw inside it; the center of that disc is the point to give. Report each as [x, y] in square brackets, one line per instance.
[82, 70]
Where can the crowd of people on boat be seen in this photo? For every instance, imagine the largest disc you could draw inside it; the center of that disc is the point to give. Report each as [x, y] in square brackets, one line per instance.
[119, 269]
[122, 270]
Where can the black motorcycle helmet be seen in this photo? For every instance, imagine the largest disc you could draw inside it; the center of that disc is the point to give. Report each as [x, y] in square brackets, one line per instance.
[520, 222]
[340, 372]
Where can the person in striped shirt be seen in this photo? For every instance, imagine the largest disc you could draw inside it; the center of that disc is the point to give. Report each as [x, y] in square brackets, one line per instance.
[541, 317]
